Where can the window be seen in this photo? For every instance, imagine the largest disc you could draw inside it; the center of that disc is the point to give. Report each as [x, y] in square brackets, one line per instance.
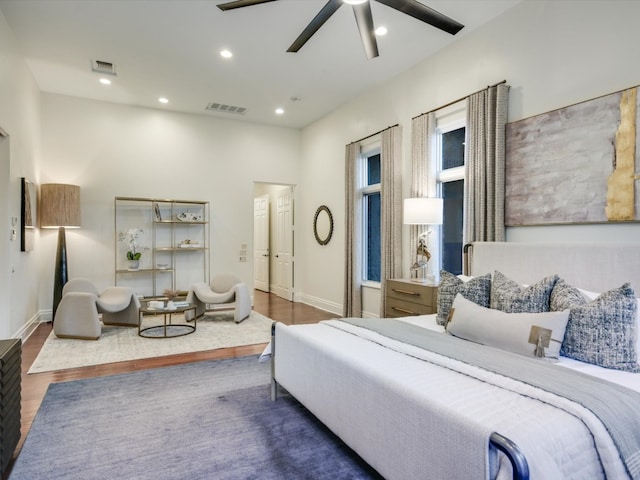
[450, 158]
[371, 203]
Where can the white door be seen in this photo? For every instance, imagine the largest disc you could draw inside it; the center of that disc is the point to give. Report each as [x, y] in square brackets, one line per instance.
[284, 245]
[261, 243]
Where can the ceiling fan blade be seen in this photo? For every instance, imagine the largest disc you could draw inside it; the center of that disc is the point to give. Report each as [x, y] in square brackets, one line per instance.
[315, 24]
[241, 3]
[425, 14]
[364, 19]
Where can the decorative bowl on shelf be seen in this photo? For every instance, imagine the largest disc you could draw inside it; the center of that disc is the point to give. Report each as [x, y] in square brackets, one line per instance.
[189, 216]
[162, 266]
[188, 244]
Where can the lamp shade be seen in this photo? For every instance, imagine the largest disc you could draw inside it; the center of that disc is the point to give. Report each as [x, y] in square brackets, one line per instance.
[59, 205]
[423, 211]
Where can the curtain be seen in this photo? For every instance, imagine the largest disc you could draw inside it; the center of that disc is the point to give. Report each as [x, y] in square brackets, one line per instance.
[390, 220]
[391, 216]
[423, 130]
[352, 304]
[485, 165]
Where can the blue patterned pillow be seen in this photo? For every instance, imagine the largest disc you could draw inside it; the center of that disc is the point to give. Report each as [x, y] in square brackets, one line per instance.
[564, 296]
[511, 297]
[602, 332]
[478, 290]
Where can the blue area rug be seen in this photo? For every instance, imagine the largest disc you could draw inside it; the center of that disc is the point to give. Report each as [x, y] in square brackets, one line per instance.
[206, 420]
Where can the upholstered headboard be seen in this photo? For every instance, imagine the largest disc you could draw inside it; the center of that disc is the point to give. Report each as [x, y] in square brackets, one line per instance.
[591, 266]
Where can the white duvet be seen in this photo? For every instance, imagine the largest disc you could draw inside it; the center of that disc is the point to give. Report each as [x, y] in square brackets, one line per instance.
[626, 379]
[405, 410]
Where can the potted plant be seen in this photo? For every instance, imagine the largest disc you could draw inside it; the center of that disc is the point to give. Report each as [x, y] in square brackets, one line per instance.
[134, 253]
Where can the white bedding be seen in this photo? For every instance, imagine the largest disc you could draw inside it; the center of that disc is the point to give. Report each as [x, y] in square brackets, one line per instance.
[626, 379]
[357, 390]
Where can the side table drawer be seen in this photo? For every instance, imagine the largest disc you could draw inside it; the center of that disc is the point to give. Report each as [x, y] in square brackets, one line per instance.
[412, 292]
[402, 308]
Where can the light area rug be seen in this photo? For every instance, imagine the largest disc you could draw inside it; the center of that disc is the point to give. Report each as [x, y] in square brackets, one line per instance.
[204, 420]
[117, 344]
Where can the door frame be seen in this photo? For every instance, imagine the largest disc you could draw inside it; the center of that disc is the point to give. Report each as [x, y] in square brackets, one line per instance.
[271, 188]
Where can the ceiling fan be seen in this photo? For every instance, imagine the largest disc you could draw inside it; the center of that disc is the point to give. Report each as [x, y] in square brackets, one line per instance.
[364, 19]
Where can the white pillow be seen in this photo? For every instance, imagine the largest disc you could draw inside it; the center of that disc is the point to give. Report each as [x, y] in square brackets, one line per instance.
[507, 331]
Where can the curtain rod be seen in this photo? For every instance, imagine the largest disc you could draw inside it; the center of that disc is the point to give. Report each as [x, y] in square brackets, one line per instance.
[458, 100]
[373, 134]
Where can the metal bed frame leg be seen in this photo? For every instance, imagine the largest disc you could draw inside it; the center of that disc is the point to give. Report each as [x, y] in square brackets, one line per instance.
[513, 453]
[274, 384]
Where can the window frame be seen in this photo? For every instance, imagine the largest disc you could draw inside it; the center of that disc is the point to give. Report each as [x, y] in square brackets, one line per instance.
[368, 150]
[447, 120]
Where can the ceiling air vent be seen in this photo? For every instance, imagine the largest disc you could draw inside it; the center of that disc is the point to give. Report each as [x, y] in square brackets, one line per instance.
[221, 107]
[101, 66]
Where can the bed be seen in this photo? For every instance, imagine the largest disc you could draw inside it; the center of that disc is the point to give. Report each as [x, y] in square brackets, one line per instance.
[417, 402]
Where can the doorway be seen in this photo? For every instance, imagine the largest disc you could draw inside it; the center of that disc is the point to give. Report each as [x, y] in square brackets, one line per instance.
[273, 235]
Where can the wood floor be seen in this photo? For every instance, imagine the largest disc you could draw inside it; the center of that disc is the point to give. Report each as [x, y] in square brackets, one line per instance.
[34, 386]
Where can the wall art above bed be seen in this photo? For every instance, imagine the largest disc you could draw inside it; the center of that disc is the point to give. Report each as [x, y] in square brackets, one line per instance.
[577, 164]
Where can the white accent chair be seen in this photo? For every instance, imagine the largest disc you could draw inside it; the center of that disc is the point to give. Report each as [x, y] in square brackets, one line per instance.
[78, 314]
[225, 290]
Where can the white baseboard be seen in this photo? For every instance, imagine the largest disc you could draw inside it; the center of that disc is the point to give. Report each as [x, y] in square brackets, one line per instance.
[30, 325]
[326, 305]
[320, 303]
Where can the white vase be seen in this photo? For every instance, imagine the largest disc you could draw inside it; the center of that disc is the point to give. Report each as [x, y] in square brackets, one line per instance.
[134, 265]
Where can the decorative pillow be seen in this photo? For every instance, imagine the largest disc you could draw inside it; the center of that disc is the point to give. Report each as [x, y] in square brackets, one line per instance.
[510, 297]
[477, 289]
[604, 331]
[593, 295]
[565, 296]
[530, 334]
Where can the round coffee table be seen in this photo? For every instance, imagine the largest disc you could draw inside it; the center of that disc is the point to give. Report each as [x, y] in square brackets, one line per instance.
[167, 329]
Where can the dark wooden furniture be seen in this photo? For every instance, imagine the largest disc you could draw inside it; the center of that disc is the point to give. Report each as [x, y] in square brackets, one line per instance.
[10, 374]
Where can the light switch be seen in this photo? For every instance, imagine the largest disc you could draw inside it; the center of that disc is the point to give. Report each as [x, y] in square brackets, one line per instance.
[14, 229]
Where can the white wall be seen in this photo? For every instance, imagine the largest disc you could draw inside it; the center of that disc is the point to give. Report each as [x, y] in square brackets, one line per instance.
[114, 150]
[552, 53]
[19, 117]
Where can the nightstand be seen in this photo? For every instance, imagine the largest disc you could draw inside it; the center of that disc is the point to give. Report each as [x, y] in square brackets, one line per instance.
[405, 298]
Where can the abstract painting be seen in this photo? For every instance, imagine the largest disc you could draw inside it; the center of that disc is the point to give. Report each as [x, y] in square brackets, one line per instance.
[576, 164]
[28, 204]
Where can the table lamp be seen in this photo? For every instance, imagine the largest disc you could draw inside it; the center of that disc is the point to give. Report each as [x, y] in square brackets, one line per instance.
[59, 208]
[422, 211]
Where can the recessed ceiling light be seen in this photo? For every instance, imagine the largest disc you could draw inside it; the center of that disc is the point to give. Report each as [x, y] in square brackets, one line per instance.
[381, 31]
[226, 54]
[105, 81]
[279, 111]
[163, 100]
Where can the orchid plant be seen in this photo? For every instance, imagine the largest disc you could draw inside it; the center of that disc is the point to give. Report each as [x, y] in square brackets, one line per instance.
[131, 236]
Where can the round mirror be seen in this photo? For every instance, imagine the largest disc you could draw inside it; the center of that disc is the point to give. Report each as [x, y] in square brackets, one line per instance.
[323, 225]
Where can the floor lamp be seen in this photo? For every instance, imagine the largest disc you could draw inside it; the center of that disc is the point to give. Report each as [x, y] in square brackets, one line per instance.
[59, 208]
[422, 211]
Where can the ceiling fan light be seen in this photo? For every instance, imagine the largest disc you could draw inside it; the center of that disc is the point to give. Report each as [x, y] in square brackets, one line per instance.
[354, 2]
